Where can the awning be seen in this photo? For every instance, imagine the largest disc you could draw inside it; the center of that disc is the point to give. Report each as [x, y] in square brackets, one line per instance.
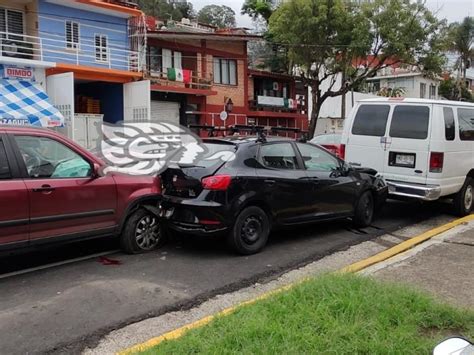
[26, 103]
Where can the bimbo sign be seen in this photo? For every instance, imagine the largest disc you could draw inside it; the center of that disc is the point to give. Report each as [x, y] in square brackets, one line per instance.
[22, 73]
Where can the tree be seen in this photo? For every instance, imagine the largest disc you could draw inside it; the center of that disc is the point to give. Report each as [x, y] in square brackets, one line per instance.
[461, 41]
[336, 44]
[455, 90]
[219, 16]
[163, 10]
[257, 9]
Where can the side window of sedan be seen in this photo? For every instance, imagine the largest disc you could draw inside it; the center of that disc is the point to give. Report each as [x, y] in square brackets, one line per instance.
[279, 156]
[48, 158]
[316, 159]
[4, 167]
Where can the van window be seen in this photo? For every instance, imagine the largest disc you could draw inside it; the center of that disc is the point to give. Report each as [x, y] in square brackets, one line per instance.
[371, 120]
[449, 128]
[410, 122]
[466, 124]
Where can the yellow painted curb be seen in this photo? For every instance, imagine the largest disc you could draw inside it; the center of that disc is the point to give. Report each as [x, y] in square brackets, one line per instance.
[356, 267]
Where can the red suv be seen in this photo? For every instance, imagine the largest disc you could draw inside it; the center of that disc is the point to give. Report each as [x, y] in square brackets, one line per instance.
[52, 190]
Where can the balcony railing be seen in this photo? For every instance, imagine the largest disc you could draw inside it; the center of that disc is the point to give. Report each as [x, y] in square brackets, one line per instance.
[277, 104]
[196, 82]
[52, 48]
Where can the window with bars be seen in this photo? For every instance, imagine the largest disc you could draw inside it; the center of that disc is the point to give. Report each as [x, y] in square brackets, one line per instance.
[225, 71]
[72, 35]
[11, 24]
[101, 49]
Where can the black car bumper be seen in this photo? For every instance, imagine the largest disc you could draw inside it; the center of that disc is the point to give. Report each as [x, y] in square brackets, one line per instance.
[194, 216]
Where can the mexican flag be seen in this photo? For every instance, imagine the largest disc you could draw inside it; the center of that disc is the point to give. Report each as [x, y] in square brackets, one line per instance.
[181, 75]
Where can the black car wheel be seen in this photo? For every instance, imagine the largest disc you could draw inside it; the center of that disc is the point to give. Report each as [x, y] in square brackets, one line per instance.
[364, 212]
[250, 232]
[464, 200]
[142, 233]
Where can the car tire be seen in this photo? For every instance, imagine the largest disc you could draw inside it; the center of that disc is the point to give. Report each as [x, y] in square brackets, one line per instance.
[142, 233]
[463, 201]
[249, 234]
[364, 211]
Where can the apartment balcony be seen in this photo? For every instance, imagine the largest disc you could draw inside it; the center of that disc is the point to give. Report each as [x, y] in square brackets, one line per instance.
[53, 48]
[194, 85]
[276, 106]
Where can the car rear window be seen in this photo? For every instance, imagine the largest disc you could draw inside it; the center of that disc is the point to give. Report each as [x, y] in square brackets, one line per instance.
[4, 168]
[466, 124]
[215, 153]
[410, 122]
[371, 120]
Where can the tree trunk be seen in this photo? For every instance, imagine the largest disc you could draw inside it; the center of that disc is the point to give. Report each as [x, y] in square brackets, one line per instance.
[316, 108]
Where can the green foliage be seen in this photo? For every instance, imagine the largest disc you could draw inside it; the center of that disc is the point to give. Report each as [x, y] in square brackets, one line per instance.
[163, 10]
[391, 92]
[257, 9]
[332, 314]
[455, 90]
[216, 15]
[329, 37]
[461, 41]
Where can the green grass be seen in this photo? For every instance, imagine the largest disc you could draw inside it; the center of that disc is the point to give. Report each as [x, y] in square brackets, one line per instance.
[333, 314]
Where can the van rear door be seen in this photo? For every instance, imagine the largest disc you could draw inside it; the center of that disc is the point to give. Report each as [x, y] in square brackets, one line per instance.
[365, 138]
[408, 143]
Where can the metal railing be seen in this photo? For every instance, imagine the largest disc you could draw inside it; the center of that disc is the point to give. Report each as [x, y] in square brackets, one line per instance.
[161, 78]
[55, 48]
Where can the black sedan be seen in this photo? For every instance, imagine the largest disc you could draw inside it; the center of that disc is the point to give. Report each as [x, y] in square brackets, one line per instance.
[268, 183]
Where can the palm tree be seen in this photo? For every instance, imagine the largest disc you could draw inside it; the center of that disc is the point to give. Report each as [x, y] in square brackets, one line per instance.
[462, 42]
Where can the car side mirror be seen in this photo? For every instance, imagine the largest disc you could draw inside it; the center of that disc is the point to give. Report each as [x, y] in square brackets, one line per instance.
[97, 171]
[453, 346]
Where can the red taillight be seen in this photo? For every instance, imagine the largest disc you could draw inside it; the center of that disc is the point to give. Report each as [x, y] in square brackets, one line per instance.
[342, 151]
[436, 162]
[217, 182]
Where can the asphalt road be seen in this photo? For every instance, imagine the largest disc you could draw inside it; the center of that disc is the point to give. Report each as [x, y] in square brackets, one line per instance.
[64, 308]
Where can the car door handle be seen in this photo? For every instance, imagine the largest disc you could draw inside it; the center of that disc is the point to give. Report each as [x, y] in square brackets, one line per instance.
[44, 188]
[270, 181]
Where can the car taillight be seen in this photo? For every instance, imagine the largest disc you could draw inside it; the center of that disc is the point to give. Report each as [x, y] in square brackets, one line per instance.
[342, 151]
[217, 182]
[436, 162]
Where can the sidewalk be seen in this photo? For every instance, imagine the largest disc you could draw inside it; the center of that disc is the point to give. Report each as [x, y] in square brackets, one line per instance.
[442, 266]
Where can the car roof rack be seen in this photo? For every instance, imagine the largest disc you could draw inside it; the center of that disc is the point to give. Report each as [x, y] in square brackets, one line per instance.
[210, 129]
[260, 131]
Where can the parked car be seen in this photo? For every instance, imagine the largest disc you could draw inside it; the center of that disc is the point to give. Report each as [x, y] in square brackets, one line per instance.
[272, 182]
[422, 148]
[52, 190]
[331, 142]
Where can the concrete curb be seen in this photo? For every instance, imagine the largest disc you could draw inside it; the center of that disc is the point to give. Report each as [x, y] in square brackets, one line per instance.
[356, 267]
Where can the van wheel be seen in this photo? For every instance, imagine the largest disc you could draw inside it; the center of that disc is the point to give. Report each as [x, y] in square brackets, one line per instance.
[464, 199]
[364, 211]
[250, 232]
[142, 233]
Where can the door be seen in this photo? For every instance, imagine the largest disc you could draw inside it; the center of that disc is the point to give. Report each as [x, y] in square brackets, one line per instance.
[284, 182]
[165, 111]
[13, 200]
[332, 193]
[60, 88]
[65, 199]
[407, 157]
[136, 101]
[367, 141]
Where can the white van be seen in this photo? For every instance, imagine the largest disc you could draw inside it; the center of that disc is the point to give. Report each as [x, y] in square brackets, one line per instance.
[422, 148]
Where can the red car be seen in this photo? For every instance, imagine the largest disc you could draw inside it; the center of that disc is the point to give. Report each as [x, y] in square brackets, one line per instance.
[52, 190]
[331, 142]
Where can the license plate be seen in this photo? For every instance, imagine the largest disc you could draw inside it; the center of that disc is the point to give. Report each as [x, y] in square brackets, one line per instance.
[405, 160]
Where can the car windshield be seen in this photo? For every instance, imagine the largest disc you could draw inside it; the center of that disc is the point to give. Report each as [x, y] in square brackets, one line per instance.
[327, 139]
[215, 153]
